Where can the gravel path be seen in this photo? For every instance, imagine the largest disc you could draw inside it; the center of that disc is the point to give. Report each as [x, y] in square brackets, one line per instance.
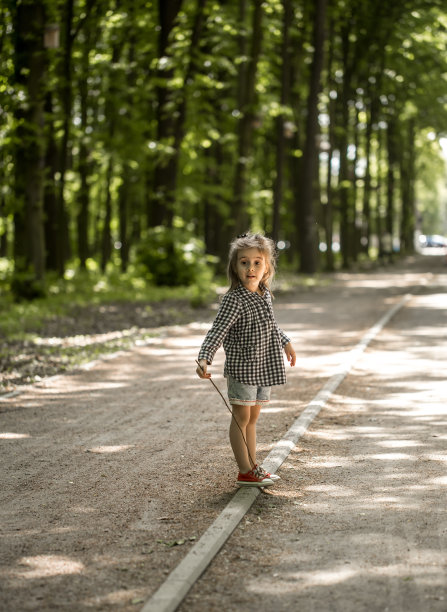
[110, 474]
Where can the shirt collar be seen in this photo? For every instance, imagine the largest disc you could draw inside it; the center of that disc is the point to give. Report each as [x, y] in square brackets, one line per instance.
[265, 290]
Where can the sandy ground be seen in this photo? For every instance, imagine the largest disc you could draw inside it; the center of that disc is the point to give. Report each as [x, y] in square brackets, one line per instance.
[109, 475]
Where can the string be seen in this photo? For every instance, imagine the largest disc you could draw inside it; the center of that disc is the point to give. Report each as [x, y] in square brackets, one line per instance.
[232, 414]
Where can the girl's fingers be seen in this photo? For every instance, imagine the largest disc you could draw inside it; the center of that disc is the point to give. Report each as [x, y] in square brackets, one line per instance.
[202, 373]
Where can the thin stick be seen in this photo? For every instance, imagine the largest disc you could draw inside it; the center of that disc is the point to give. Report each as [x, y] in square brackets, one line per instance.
[232, 415]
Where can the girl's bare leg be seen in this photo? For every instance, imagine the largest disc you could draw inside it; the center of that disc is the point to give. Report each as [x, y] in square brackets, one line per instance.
[241, 414]
[251, 431]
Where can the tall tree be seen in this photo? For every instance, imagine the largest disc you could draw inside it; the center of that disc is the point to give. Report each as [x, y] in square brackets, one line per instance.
[29, 75]
[283, 117]
[247, 96]
[63, 242]
[307, 220]
[161, 199]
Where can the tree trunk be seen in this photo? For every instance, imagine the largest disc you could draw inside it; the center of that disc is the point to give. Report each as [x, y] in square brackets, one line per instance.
[356, 218]
[366, 206]
[111, 113]
[278, 187]
[407, 172]
[307, 227]
[4, 233]
[50, 205]
[83, 165]
[245, 128]
[379, 196]
[390, 185]
[344, 182]
[329, 213]
[63, 250]
[160, 203]
[106, 239]
[29, 56]
[123, 206]
[125, 198]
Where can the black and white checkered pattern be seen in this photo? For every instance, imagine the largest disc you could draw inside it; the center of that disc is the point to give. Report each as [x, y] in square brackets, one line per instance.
[251, 338]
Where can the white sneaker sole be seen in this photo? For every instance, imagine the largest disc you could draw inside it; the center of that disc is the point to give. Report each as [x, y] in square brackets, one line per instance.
[265, 483]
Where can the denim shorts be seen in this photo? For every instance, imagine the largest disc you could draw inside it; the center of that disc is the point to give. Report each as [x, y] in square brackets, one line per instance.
[247, 395]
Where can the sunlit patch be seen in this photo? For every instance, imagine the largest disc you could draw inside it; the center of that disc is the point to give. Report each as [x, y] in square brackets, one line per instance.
[393, 457]
[386, 500]
[399, 443]
[25, 533]
[433, 457]
[121, 597]
[300, 580]
[330, 463]
[272, 410]
[331, 490]
[110, 449]
[334, 434]
[334, 576]
[442, 480]
[44, 566]
[13, 436]
[93, 388]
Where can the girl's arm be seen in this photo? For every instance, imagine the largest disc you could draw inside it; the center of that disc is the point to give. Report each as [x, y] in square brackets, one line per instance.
[227, 315]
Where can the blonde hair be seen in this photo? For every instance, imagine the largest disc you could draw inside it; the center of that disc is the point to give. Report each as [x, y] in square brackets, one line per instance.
[252, 241]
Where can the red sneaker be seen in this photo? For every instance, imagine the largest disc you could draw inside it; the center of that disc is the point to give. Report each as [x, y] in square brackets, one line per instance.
[254, 478]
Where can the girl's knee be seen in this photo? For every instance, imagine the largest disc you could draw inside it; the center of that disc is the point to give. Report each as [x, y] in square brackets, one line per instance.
[254, 414]
[241, 414]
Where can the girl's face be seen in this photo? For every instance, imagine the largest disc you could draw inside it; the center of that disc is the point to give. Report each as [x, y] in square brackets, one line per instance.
[251, 268]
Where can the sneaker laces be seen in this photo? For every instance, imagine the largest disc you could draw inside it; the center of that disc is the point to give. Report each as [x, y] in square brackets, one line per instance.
[259, 472]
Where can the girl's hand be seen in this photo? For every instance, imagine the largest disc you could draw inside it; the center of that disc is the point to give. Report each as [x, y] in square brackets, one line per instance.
[201, 369]
[290, 353]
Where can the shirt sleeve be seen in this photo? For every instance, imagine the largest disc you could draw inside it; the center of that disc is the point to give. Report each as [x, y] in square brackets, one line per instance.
[284, 338]
[228, 313]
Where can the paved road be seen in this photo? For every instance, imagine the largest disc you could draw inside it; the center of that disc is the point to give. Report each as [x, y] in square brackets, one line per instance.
[111, 474]
[359, 522]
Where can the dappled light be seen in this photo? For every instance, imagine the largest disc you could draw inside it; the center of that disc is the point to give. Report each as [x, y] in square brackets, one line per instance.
[110, 464]
[272, 410]
[13, 436]
[44, 566]
[110, 449]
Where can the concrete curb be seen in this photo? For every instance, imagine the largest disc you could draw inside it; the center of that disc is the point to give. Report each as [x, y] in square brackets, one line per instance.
[171, 593]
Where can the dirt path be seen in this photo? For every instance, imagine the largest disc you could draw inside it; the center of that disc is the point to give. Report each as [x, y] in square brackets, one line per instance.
[109, 475]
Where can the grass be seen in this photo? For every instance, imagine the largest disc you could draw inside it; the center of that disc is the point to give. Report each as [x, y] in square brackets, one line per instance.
[85, 316]
[86, 288]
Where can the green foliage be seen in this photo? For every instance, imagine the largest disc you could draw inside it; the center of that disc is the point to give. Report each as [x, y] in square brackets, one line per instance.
[87, 288]
[25, 286]
[391, 54]
[175, 257]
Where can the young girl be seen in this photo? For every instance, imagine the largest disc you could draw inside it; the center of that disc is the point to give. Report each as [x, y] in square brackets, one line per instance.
[253, 345]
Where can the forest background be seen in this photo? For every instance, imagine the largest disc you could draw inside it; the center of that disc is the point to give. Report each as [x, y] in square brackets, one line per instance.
[153, 132]
[137, 137]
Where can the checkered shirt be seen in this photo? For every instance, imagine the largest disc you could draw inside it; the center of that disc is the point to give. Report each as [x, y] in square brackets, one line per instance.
[251, 338]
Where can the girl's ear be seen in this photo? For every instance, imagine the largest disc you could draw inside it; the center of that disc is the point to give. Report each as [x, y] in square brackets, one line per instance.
[266, 273]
